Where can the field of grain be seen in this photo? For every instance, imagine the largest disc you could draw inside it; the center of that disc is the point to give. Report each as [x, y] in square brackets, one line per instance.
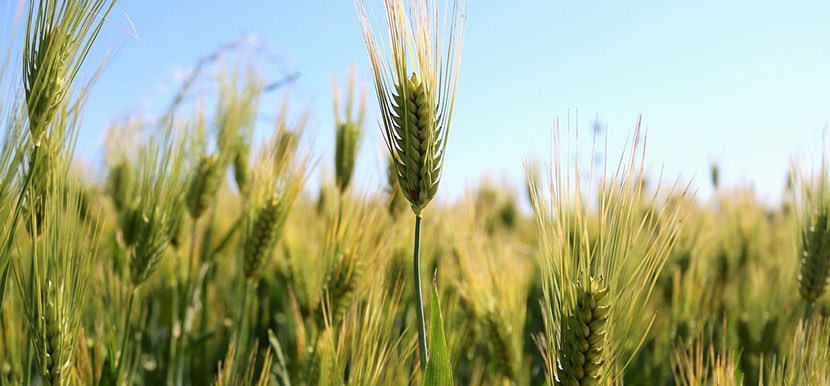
[196, 255]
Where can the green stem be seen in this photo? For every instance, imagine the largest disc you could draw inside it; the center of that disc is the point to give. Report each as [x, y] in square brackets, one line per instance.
[191, 257]
[240, 327]
[27, 365]
[123, 351]
[189, 288]
[419, 301]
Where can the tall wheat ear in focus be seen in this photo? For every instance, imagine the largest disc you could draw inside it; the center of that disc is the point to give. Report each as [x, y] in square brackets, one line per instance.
[596, 284]
[415, 81]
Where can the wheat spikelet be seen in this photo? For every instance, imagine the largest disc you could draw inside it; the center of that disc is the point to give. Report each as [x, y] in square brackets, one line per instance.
[340, 285]
[262, 237]
[416, 103]
[128, 221]
[696, 363]
[205, 182]
[58, 38]
[808, 360]
[151, 240]
[815, 234]
[595, 285]
[396, 202]
[815, 261]
[583, 352]
[55, 291]
[505, 351]
[59, 343]
[119, 181]
[277, 180]
[241, 166]
[353, 241]
[347, 132]
[176, 226]
[151, 222]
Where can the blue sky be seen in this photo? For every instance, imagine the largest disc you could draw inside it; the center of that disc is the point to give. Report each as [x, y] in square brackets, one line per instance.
[743, 83]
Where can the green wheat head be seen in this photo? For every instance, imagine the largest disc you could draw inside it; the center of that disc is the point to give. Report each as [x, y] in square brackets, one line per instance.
[157, 208]
[58, 37]
[204, 184]
[415, 86]
[55, 293]
[808, 360]
[347, 131]
[698, 363]
[364, 348]
[276, 182]
[814, 219]
[352, 243]
[236, 113]
[596, 285]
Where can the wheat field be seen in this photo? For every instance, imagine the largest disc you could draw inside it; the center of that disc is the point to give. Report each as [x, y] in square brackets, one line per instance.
[197, 255]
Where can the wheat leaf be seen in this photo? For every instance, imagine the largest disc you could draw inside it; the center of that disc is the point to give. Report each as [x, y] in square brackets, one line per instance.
[438, 371]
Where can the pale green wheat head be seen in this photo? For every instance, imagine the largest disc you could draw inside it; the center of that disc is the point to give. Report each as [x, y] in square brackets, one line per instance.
[55, 291]
[415, 82]
[277, 180]
[596, 283]
[206, 176]
[236, 112]
[353, 242]
[347, 131]
[814, 222]
[159, 195]
[698, 363]
[59, 34]
[808, 359]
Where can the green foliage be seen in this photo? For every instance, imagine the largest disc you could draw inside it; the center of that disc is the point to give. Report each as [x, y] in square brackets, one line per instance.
[439, 369]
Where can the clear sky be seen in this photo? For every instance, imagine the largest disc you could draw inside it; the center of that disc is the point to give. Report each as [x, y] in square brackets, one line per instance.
[744, 83]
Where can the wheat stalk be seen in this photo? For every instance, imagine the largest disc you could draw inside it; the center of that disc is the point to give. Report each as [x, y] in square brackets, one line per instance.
[416, 92]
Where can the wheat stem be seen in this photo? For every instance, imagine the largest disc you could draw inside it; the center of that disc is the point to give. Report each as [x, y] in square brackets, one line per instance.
[126, 336]
[191, 257]
[419, 302]
[240, 326]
